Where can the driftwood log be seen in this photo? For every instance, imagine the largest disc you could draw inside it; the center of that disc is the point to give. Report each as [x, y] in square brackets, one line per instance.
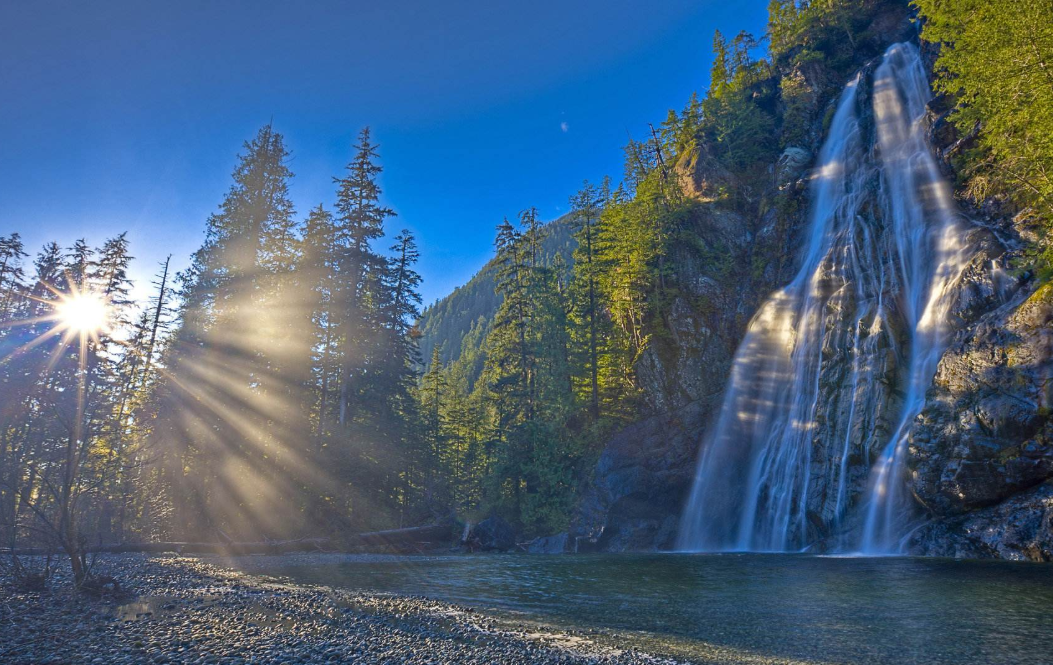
[393, 540]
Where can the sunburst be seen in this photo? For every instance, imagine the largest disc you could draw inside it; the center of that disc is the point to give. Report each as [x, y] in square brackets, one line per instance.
[76, 315]
[83, 313]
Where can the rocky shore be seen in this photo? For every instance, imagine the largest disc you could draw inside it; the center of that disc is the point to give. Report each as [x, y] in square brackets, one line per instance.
[186, 610]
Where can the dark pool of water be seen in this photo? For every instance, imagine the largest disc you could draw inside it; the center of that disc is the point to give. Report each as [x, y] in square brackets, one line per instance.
[792, 607]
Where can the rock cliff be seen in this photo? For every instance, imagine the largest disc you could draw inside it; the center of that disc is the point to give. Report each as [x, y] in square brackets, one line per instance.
[980, 452]
[982, 449]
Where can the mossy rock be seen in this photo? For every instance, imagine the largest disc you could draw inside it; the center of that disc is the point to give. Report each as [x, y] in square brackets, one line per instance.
[1043, 296]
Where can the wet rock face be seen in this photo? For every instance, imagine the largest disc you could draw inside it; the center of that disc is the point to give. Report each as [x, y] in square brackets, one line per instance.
[981, 451]
[640, 483]
[638, 487]
[1019, 528]
[982, 448]
[736, 258]
[986, 433]
[691, 358]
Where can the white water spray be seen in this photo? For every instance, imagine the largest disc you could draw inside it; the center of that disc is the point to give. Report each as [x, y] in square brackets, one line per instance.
[932, 255]
[834, 366]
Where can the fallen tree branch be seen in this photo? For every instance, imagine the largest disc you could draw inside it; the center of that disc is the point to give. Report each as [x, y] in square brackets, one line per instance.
[399, 539]
[394, 540]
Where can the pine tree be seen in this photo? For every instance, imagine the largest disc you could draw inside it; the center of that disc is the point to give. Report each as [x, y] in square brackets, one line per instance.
[398, 377]
[76, 265]
[586, 206]
[510, 354]
[782, 26]
[432, 390]
[525, 384]
[318, 269]
[690, 123]
[732, 119]
[402, 284]
[221, 359]
[12, 252]
[158, 310]
[109, 382]
[359, 221]
[721, 72]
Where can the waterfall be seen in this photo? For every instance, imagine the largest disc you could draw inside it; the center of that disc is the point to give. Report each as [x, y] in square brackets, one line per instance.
[834, 366]
[932, 256]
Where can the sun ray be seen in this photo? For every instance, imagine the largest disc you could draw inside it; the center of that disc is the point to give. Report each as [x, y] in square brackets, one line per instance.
[80, 314]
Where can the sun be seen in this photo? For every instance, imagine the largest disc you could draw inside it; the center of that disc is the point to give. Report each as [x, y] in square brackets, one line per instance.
[84, 313]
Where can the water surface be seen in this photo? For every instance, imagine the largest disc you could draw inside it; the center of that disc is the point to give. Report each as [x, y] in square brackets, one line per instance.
[787, 607]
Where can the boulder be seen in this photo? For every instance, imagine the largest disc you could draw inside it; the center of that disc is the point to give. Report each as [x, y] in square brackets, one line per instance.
[792, 164]
[557, 544]
[1020, 528]
[492, 535]
[985, 433]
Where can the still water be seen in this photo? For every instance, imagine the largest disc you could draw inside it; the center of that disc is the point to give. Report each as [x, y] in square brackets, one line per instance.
[788, 608]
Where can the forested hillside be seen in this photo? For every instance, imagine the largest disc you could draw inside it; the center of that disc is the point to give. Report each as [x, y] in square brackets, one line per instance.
[447, 321]
[994, 65]
[668, 267]
[274, 388]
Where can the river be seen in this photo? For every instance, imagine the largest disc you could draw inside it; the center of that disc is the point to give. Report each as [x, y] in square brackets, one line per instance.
[767, 608]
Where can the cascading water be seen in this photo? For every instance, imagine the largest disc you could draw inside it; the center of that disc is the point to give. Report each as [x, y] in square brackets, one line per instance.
[834, 366]
[932, 257]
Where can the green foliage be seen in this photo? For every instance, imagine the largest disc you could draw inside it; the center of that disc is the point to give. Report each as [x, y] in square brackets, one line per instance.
[628, 246]
[538, 375]
[503, 439]
[740, 129]
[70, 414]
[996, 59]
[810, 30]
[526, 378]
[799, 104]
[737, 127]
[589, 330]
[445, 323]
[12, 251]
[288, 402]
[288, 397]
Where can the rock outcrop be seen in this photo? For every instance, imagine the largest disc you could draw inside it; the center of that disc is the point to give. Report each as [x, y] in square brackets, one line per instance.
[560, 543]
[634, 501]
[1018, 529]
[981, 450]
[985, 437]
[492, 535]
[732, 255]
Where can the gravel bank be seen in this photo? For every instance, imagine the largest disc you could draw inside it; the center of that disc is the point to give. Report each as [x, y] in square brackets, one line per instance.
[186, 610]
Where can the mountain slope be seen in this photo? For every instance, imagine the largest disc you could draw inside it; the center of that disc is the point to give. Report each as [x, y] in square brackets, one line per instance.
[445, 323]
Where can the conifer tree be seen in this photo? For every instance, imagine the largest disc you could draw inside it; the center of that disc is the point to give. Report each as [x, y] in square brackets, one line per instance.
[219, 360]
[721, 71]
[403, 296]
[318, 268]
[586, 206]
[433, 389]
[359, 221]
[12, 252]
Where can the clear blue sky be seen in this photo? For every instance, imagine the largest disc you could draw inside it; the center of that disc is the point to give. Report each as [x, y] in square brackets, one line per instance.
[127, 116]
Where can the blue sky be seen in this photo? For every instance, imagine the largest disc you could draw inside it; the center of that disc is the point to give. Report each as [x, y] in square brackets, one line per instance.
[127, 116]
